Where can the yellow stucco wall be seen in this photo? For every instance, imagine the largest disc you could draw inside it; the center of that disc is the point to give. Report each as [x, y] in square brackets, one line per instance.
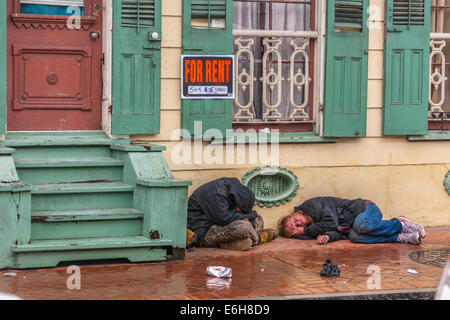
[403, 178]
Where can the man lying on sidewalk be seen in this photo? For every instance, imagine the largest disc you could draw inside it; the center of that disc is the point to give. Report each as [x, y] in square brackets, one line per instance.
[330, 219]
[220, 215]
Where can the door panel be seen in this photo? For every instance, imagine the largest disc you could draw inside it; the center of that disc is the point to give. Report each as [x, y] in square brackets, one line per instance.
[54, 68]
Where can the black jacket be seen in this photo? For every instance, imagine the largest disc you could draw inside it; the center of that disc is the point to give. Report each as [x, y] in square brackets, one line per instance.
[215, 202]
[330, 215]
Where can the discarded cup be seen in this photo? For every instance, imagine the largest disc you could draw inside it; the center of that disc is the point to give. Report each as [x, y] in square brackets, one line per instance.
[10, 274]
[219, 272]
[412, 271]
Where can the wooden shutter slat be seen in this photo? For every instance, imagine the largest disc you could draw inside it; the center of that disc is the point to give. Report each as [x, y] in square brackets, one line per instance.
[349, 14]
[138, 14]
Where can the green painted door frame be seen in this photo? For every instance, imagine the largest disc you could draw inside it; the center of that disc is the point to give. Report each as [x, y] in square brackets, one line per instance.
[136, 88]
[3, 68]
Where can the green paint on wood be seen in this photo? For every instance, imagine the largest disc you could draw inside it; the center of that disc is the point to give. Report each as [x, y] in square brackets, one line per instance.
[146, 165]
[8, 171]
[86, 215]
[6, 151]
[164, 183]
[208, 113]
[46, 259]
[153, 201]
[136, 87]
[3, 68]
[406, 69]
[15, 220]
[346, 69]
[85, 229]
[143, 147]
[65, 175]
[431, 136]
[283, 137]
[91, 243]
[80, 202]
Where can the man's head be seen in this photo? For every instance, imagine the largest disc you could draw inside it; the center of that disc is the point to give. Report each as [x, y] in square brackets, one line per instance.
[288, 226]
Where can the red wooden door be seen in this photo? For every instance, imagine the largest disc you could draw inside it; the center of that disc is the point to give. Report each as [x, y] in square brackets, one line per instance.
[54, 68]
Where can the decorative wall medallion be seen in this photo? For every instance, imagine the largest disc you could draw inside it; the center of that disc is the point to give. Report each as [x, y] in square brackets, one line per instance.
[447, 182]
[273, 186]
[52, 78]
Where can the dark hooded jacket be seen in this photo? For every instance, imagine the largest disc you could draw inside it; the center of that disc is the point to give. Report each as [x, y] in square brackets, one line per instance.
[331, 216]
[214, 204]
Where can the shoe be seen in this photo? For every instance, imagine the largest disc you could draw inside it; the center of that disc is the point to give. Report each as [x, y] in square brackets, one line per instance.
[268, 235]
[411, 226]
[189, 236]
[239, 245]
[409, 238]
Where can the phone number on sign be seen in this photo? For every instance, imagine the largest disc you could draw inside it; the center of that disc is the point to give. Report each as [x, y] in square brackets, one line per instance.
[214, 90]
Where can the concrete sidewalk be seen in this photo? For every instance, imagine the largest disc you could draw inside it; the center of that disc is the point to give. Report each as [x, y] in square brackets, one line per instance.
[282, 269]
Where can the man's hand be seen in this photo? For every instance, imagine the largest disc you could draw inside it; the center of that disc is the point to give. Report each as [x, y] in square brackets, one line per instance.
[298, 231]
[323, 239]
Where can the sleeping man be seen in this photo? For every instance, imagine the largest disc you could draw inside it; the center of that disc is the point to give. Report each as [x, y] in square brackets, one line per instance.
[329, 219]
[220, 214]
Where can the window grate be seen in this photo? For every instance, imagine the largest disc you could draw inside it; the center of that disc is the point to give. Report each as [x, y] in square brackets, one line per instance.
[409, 12]
[138, 14]
[349, 14]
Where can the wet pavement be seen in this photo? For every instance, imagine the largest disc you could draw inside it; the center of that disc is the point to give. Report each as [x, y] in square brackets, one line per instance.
[282, 269]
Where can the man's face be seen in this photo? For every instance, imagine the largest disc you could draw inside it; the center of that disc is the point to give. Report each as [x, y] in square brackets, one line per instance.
[295, 222]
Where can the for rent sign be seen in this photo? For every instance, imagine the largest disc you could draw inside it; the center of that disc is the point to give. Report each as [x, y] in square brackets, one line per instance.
[209, 77]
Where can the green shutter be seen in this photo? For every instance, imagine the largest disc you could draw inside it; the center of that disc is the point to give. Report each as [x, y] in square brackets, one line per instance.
[346, 67]
[211, 113]
[406, 67]
[3, 81]
[136, 67]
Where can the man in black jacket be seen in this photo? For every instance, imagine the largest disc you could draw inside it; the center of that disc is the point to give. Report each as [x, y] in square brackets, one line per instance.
[330, 219]
[220, 213]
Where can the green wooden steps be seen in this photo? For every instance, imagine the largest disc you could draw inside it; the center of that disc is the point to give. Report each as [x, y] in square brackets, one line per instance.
[88, 244]
[45, 253]
[47, 170]
[82, 191]
[81, 196]
[73, 224]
